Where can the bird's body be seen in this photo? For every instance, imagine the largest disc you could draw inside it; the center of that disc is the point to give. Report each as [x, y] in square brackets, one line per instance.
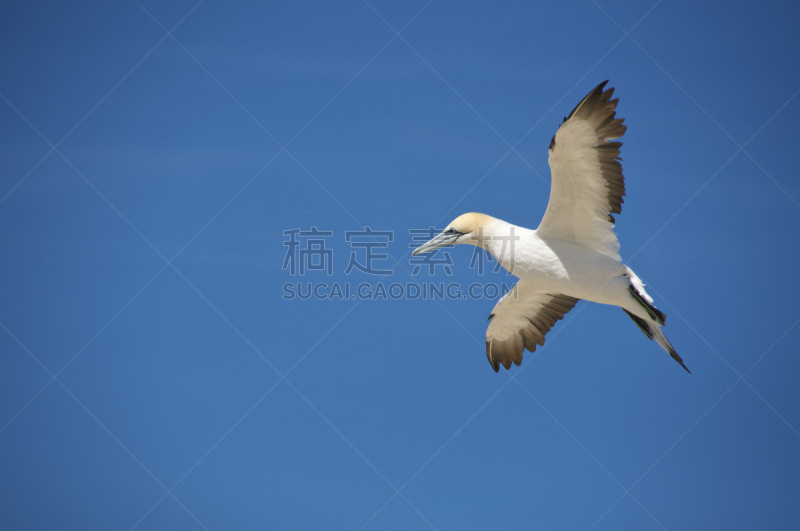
[561, 267]
[573, 254]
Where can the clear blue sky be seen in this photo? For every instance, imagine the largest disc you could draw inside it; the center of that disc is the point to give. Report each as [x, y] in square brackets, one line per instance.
[154, 376]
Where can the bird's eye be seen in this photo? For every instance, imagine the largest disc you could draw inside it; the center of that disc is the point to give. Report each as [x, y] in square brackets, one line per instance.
[451, 230]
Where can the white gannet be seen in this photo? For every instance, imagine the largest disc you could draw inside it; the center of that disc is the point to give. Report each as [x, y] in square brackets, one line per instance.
[574, 254]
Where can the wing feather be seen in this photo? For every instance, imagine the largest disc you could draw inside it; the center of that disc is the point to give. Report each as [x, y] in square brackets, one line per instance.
[587, 181]
[520, 320]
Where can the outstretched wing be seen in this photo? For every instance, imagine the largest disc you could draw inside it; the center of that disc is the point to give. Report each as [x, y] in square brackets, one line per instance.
[520, 320]
[587, 183]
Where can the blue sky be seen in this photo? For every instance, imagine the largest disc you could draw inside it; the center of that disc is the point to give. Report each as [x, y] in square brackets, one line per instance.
[154, 376]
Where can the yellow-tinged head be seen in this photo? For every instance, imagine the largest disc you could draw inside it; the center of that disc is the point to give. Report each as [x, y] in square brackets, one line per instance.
[466, 228]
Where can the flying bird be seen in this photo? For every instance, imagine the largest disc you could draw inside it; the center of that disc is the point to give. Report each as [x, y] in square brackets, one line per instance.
[574, 254]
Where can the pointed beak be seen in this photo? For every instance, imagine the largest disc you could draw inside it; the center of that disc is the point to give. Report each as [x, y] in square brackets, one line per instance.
[442, 240]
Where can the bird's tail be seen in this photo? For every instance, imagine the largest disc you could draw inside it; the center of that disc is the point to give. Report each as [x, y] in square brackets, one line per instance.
[653, 331]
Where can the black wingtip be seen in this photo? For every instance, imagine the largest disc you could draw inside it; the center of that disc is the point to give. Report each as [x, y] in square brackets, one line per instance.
[679, 360]
[677, 357]
[595, 91]
[645, 327]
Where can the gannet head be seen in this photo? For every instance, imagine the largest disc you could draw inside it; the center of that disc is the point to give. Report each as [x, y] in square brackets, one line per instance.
[466, 228]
